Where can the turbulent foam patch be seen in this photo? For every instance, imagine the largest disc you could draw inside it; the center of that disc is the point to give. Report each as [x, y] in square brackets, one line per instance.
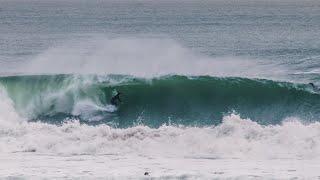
[234, 138]
[88, 110]
[7, 110]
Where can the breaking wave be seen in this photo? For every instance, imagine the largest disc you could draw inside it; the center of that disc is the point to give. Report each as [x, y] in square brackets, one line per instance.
[233, 138]
[183, 100]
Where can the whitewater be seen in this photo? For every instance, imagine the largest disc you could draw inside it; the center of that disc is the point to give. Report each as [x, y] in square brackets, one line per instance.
[210, 89]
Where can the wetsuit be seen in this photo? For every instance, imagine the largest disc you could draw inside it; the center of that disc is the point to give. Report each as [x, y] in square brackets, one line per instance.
[115, 99]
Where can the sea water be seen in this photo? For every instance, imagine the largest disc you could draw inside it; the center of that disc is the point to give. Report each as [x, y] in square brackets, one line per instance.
[209, 89]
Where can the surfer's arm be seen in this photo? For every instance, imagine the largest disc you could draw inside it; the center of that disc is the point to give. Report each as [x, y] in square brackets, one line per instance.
[118, 97]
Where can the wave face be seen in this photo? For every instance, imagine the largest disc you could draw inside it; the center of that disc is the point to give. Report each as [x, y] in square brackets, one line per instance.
[180, 100]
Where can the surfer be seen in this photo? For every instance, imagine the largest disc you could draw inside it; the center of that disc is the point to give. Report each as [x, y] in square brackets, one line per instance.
[115, 100]
[315, 88]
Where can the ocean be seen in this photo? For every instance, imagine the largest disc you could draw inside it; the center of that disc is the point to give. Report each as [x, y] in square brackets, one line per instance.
[210, 89]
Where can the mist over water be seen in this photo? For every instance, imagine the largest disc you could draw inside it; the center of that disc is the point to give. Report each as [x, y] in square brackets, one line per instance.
[142, 57]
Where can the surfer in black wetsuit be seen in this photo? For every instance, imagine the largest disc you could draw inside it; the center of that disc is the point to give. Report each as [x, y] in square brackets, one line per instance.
[115, 100]
[315, 88]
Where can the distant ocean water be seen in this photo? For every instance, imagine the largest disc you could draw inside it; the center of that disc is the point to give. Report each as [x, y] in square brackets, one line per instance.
[207, 87]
